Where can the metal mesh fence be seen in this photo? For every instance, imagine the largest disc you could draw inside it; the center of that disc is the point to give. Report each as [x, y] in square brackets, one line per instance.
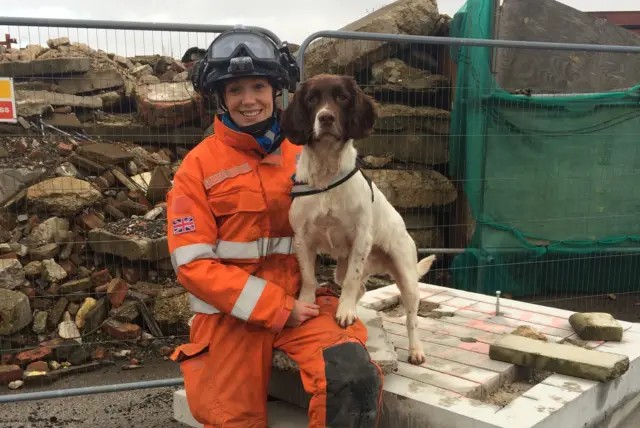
[515, 173]
[107, 114]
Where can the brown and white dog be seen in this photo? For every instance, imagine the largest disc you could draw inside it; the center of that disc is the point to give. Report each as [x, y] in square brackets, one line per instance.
[338, 211]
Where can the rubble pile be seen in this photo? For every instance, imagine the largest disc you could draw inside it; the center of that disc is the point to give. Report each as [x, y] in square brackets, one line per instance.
[72, 84]
[83, 252]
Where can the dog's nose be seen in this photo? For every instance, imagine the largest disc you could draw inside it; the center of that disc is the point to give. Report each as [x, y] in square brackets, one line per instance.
[326, 118]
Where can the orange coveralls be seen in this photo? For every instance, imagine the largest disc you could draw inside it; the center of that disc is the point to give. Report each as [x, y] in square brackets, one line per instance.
[231, 246]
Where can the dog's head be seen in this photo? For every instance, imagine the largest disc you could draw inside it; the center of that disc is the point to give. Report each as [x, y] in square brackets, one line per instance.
[328, 106]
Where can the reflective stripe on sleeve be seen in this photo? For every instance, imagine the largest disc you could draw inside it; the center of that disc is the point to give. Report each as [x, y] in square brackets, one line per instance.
[200, 306]
[245, 303]
[188, 253]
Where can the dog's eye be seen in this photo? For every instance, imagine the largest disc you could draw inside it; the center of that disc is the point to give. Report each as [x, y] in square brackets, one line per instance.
[342, 98]
[312, 100]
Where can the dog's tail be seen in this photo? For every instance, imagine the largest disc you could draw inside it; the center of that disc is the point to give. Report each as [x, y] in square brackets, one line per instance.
[425, 264]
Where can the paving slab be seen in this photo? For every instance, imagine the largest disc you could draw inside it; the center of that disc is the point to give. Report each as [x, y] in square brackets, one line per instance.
[560, 358]
[450, 389]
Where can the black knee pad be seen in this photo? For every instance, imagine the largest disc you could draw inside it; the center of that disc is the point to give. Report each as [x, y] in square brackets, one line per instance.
[353, 387]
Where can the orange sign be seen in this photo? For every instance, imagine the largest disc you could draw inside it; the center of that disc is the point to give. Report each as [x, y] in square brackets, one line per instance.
[7, 100]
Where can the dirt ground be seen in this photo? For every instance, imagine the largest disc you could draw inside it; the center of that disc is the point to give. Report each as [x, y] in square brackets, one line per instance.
[148, 408]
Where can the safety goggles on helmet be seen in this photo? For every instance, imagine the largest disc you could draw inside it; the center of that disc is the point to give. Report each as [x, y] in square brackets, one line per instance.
[243, 52]
[230, 45]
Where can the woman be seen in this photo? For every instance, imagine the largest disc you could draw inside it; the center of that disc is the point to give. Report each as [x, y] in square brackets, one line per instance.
[231, 246]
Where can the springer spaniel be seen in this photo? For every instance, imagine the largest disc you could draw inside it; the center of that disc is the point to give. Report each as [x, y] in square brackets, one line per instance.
[338, 211]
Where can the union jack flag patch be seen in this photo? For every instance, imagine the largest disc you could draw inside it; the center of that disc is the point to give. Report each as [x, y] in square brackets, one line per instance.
[184, 225]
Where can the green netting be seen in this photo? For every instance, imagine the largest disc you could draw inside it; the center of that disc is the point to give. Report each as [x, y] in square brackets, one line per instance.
[551, 180]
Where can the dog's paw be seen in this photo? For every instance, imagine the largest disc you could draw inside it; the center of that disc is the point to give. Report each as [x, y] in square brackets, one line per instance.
[416, 356]
[346, 314]
[307, 296]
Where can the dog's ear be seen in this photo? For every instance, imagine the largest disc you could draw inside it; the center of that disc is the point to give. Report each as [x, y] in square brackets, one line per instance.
[294, 121]
[362, 115]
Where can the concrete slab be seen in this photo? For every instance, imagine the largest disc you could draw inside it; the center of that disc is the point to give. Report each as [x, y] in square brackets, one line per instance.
[279, 413]
[449, 390]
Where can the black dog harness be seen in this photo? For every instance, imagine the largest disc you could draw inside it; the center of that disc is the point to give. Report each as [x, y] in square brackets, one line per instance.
[303, 189]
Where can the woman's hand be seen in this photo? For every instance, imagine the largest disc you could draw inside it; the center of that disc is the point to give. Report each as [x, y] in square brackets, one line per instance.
[301, 312]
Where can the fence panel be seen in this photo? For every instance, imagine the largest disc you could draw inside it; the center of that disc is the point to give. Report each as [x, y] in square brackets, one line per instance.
[105, 114]
[525, 188]
[106, 117]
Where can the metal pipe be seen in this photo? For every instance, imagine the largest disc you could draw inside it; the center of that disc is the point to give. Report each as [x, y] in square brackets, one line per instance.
[453, 41]
[422, 251]
[126, 25]
[71, 392]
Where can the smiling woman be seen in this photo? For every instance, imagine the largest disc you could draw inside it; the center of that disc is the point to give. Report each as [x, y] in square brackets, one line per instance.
[231, 245]
[249, 100]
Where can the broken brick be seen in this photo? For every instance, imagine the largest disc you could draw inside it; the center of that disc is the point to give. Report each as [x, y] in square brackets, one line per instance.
[91, 221]
[98, 354]
[117, 291]
[38, 366]
[28, 357]
[10, 373]
[122, 331]
[131, 275]
[65, 149]
[100, 278]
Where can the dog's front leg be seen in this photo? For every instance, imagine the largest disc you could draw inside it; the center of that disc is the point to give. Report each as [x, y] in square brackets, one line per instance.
[351, 287]
[306, 254]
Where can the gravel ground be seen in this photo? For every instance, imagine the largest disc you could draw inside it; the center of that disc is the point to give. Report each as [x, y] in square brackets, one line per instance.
[148, 408]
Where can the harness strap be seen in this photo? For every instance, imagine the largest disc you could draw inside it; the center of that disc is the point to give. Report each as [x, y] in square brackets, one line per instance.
[302, 189]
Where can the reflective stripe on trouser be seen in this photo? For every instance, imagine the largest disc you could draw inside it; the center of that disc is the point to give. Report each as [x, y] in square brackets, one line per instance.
[227, 385]
[252, 289]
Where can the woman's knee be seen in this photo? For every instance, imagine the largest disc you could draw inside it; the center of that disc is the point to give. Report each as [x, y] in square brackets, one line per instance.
[354, 385]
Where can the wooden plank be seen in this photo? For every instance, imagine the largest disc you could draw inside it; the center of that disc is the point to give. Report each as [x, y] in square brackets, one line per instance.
[439, 380]
[441, 339]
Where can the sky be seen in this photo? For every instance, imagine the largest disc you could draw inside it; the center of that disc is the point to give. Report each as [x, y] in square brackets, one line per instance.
[292, 24]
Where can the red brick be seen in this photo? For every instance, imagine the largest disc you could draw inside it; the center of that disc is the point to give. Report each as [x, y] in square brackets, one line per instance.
[100, 278]
[38, 366]
[91, 221]
[98, 354]
[117, 291]
[131, 275]
[68, 267]
[9, 374]
[65, 149]
[28, 357]
[9, 256]
[20, 146]
[122, 331]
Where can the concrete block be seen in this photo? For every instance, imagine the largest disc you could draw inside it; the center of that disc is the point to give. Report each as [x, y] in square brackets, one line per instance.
[438, 337]
[379, 346]
[279, 414]
[596, 326]
[560, 358]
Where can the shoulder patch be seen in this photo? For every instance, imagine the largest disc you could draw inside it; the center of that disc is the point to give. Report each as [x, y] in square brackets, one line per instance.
[183, 225]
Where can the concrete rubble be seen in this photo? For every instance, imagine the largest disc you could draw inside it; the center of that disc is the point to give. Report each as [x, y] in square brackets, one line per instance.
[85, 171]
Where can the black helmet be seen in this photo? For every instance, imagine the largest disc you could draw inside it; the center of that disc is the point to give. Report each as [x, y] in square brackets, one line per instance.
[243, 52]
